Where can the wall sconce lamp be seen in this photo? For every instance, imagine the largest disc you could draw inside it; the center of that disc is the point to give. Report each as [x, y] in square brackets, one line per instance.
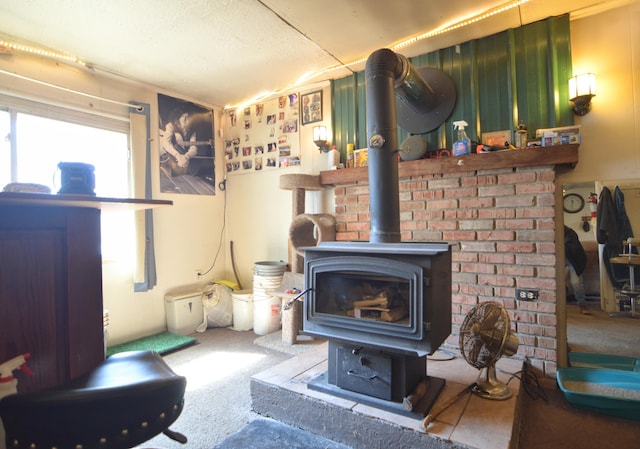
[582, 88]
[320, 138]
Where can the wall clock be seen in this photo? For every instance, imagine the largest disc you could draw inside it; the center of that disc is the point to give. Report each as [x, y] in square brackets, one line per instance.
[573, 203]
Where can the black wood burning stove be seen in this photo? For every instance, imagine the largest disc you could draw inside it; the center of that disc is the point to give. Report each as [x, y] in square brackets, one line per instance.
[384, 305]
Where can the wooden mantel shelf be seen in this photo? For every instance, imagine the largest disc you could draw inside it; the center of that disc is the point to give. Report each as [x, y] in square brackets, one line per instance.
[67, 200]
[527, 157]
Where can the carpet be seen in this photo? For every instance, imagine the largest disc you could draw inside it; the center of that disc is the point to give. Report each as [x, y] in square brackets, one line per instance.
[162, 343]
[274, 341]
[269, 434]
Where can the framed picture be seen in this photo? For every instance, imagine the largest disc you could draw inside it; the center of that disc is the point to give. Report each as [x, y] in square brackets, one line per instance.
[311, 106]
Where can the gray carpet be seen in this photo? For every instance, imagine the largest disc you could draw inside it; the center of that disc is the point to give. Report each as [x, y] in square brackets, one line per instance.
[218, 370]
[218, 400]
[269, 434]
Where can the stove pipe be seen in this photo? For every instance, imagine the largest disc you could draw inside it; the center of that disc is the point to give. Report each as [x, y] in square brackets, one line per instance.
[388, 74]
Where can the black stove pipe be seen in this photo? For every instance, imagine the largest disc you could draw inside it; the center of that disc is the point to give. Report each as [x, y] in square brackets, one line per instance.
[382, 142]
[388, 73]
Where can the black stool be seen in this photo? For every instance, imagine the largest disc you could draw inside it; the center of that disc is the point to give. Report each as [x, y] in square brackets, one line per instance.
[128, 399]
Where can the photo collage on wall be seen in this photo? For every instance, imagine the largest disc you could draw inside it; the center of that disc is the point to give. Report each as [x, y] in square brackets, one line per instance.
[263, 136]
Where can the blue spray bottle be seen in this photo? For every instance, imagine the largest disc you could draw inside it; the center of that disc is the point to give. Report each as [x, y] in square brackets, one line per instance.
[461, 144]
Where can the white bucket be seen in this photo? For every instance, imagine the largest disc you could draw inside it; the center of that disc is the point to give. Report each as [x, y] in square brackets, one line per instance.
[242, 310]
[267, 309]
[267, 313]
[266, 284]
[269, 268]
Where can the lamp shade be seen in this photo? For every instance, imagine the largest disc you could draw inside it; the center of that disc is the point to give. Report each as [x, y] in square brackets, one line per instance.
[582, 85]
[319, 133]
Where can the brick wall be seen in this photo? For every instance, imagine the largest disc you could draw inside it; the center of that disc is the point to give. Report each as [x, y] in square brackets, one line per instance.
[501, 225]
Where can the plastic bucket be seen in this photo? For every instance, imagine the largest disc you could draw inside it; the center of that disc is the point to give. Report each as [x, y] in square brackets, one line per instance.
[267, 312]
[242, 301]
[269, 268]
[266, 284]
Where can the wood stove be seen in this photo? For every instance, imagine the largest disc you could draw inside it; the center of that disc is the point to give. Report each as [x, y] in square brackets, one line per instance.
[384, 305]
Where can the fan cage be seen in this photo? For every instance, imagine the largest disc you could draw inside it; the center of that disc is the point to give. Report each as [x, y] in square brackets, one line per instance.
[484, 333]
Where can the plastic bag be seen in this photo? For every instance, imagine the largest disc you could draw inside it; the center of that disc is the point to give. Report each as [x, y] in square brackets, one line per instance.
[217, 306]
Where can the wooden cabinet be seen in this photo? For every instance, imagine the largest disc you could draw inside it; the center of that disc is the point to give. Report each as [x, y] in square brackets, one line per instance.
[51, 286]
[51, 291]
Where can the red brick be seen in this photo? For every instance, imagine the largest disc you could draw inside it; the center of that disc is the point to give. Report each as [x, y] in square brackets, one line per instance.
[516, 224]
[496, 235]
[494, 212]
[426, 215]
[515, 247]
[517, 177]
[496, 191]
[477, 203]
[516, 270]
[428, 195]
[441, 204]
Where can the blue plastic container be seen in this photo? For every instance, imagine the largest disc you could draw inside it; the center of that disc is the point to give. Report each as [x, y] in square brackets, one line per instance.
[610, 405]
[591, 360]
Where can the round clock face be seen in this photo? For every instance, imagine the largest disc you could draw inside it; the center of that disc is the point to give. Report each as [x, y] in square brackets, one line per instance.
[573, 203]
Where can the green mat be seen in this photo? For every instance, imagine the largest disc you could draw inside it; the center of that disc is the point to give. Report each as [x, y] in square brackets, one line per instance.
[162, 343]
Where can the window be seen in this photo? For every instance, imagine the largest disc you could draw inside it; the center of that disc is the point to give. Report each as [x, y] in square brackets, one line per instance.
[33, 144]
[40, 143]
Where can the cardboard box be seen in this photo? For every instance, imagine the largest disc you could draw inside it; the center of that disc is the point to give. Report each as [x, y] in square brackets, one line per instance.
[362, 157]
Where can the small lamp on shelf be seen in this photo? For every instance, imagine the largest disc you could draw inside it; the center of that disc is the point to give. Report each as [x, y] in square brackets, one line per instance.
[320, 138]
[582, 88]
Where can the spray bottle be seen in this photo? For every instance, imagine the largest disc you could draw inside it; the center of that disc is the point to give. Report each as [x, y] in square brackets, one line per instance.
[461, 144]
[9, 384]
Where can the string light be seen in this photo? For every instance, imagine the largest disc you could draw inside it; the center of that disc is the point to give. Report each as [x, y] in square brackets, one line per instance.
[460, 24]
[407, 42]
[8, 45]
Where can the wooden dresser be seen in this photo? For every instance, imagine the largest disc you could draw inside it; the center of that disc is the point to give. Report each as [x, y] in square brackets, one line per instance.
[51, 283]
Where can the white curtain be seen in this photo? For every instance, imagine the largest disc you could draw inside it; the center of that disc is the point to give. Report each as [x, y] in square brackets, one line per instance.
[145, 277]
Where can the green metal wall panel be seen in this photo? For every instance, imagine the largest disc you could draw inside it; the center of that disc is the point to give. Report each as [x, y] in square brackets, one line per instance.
[495, 96]
[361, 135]
[457, 62]
[344, 108]
[518, 75]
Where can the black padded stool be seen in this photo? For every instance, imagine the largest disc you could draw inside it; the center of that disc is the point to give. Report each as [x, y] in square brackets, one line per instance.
[126, 400]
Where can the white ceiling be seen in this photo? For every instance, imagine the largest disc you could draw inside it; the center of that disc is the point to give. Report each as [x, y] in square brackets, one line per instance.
[223, 52]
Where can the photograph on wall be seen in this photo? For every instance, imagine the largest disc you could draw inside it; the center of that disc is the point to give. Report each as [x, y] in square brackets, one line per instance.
[312, 107]
[263, 136]
[186, 147]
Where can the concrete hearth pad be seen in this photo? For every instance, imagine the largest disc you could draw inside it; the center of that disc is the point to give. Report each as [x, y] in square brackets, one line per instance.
[472, 422]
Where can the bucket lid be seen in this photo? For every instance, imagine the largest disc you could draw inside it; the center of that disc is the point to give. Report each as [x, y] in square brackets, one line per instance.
[270, 268]
[271, 264]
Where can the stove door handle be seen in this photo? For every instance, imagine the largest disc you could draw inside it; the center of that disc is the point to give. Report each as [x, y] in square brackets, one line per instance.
[361, 376]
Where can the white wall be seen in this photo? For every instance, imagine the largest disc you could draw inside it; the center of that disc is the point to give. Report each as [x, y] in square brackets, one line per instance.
[259, 212]
[186, 234]
[608, 44]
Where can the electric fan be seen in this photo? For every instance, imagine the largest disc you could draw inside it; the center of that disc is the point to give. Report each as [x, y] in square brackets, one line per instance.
[485, 336]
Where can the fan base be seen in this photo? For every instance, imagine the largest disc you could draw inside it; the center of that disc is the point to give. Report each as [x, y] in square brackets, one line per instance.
[494, 391]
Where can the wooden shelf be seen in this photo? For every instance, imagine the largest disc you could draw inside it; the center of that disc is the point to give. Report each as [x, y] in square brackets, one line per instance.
[526, 157]
[46, 199]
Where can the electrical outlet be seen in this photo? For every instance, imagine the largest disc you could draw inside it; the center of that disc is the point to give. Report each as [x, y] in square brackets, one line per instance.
[526, 295]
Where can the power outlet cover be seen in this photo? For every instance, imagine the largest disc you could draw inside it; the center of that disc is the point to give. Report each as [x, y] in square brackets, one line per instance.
[526, 295]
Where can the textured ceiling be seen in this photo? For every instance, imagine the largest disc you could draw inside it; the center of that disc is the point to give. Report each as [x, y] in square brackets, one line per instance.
[226, 51]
